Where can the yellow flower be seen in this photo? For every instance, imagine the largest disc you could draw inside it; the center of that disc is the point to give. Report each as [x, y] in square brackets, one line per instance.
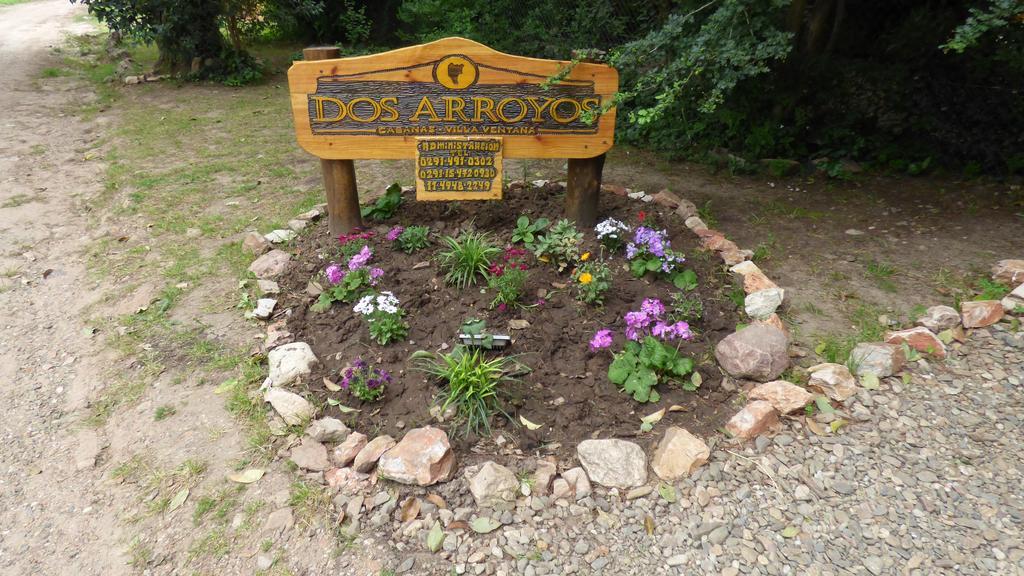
[586, 278]
[585, 256]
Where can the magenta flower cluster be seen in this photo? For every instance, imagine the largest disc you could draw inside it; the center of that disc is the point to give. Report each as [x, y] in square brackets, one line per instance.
[651, 320]
[394, 233]
[360, 372]
[359, 261]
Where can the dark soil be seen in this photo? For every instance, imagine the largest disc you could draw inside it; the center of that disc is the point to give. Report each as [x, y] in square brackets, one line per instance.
[567, 391]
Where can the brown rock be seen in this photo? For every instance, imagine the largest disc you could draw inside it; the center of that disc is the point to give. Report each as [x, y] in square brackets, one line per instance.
[686, 209]
[271, 264]
[374, 449]
[310, 455]
[255, 243]
[679, 454]
[614, 189]
[754, 280]
[560, 489]
[784, 396]
[833, 380]
[978, 314]
[734, 257]
[920, 339]
[754, 419]
[493, 485]
[347, 450]
[423, 457]
[773, 321]
[278, 334]
[667, 199]
[579, 481]
[546, 471]
[694, 223]
[757, 352]
[939, 318]
[1008, 272]
[1013, 299]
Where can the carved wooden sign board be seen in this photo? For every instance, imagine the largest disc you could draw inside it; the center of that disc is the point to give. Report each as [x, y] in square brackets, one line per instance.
[455, 106]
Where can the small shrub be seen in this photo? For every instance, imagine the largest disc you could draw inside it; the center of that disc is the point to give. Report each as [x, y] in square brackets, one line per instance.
[529, 232]
[411, 239]
[384, 316]
[560, 245]
[593, 279]
[467, 257]
[385, 206]
[508, 278]
[365, 382]
[687, 307]
[651, 252]
[472, 384]
[345, 284]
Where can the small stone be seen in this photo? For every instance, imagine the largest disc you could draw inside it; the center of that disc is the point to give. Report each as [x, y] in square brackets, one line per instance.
[679, 454]
[543, 476]
[493, 485]
[754, 419]
[757, 352]
[882, 360]
[784, 396]
[578, 480]
[290, 362]
[613, 463]
[88, 449]
[423, 457]
[310, 455]
[279, 236]
[346, 452]
[1013, 300]
[268, 287]
[639, 492]
[920, 339]
[271, 264]
[255, 243]
[560, 488]
[264, 308]
[667, 199]
[328, 430]
[371, 452]
[294, 409]
[297, 225]
[686, 209]
[754, 280]
[939, 318]
[763, 303]
[981, 313]
[277, 334]
[278, 522]
[772, 321]
[1009, 272]
[833, 380]
[695, 223]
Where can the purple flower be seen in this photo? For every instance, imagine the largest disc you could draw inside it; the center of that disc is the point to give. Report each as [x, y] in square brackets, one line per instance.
[394, 233]
[652, 307]
[631, 250]
[541, 301]
[502, 307]
[334, 273]
[679, 330]
[601, 340]
[376, 273]
[360, 259]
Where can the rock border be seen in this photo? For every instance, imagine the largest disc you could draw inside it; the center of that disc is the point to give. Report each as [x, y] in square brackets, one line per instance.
[351, 463]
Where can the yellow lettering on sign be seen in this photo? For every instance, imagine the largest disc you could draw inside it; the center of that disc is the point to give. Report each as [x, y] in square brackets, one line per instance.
[454, 106]
[483, 105]
[352, 109]
[425, 107]
[561, 119]
[387, 106]
[319, 100]
[538, 109]
[517, 102]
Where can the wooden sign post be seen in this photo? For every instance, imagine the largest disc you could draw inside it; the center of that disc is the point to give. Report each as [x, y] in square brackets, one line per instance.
[458, 108]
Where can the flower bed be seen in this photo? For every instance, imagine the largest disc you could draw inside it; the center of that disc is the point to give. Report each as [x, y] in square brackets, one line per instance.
[603, 331]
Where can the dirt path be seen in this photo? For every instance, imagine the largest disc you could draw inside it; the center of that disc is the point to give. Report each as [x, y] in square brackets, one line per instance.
[55, 511]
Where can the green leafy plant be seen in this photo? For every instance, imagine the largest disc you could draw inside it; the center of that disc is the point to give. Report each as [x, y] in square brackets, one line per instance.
[593, 278]
[467, 257]
[560, 245]
[687, 307]
[364, 381]
[345, 284]
[508, 278]
[472, 384]
[528, 232]
[990, 290]
[384, 316]
[413, 238]
[385, 206]
[641, 366]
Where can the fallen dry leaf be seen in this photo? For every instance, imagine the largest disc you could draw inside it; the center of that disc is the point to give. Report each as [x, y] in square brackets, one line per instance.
[436, 500]
[410, 509]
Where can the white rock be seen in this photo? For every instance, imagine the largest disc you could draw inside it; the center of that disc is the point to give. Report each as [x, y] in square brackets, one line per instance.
[294, 409]
[290, 362]
[279, 236]
[329, 430]
[679, 454]
[264, 308]
[833, 380]
[939, 318]
[1013, 299]
[882, 360]
[763, 303]
[614, 463]
[493, 485]
[268, 287]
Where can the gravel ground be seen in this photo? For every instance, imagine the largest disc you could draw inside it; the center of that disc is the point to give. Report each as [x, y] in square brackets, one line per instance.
[928, 483]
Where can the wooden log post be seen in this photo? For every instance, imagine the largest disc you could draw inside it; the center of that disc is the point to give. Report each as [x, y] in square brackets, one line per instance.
[339, 175]
[582, 189]
[583, 182]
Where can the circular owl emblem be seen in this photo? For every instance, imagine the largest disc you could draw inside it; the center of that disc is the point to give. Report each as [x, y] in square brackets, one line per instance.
[455, 72]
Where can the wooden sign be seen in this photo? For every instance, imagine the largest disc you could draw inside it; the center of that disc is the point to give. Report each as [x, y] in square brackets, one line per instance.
[458, 168]
[379, 106]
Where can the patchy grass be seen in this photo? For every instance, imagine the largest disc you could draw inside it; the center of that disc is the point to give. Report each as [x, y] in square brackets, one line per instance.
[882, 274]
[866, 327]
[18, 200]
[164, 412]
[160, 483]
[309, 502]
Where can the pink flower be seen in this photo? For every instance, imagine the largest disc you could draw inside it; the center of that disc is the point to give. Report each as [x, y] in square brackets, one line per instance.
[334, 273]
[394, 233]
[376, 273]
[502, 307]
[360, 259]
[601, 340]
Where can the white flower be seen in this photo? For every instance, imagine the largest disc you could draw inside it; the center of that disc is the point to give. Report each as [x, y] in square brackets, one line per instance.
[610, 228]
[364, 306]
[387, 302]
